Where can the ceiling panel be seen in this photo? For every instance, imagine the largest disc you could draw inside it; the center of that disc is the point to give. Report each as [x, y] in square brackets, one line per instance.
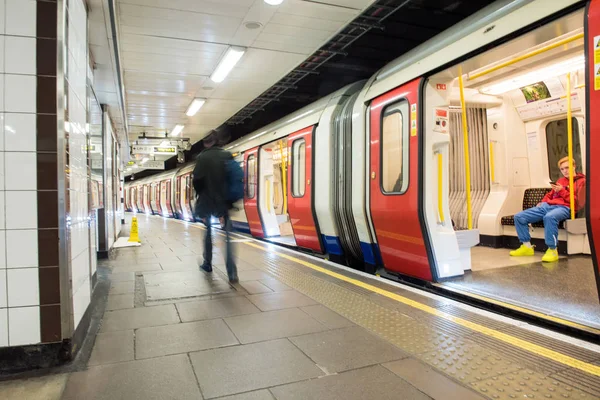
[169, 48]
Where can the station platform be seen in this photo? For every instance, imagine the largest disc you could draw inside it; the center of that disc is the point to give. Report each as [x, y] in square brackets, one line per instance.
[298, 327]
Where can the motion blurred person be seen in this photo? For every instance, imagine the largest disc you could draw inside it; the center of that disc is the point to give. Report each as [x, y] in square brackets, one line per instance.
[554, 208]
[210, 183]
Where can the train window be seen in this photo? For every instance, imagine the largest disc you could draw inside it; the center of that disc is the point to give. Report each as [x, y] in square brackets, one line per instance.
[251, 181]
[394, 148]
[298, 168]
[557, 142]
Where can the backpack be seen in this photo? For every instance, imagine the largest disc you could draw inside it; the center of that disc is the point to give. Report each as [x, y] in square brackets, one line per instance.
[235, 181]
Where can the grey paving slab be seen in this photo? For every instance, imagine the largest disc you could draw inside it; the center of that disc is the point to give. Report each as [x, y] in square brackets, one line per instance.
[256, 395]
[281, 300]
[327, 317]
[161, 378]
[348, 348]
[273, 325]
[136, 268]
[49, 387]
[252, 275]
[182, 338]
[122, 277]
[367, 383]
[239, 369]
[119, 301]
[112, 347]
[255, 287]
[275, 285]
[122, 287]
[190, 258]
[427, 380]
[140, 317]
[209, 309]
[180, 284]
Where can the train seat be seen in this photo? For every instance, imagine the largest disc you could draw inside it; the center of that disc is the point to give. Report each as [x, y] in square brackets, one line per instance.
[531, 198]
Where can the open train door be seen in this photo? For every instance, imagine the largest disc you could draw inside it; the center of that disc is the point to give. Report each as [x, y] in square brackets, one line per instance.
[251, 193]
[300, 190]
[592, 38]
[395, 183]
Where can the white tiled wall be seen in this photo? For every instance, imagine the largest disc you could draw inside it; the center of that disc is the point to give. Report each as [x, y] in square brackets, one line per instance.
[19, 282]
[76, 58]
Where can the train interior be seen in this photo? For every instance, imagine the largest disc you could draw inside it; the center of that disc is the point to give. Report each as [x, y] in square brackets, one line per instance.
[272, 193]
[516, 108]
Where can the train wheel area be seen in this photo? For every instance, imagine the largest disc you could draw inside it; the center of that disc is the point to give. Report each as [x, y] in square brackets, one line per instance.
[299, 327]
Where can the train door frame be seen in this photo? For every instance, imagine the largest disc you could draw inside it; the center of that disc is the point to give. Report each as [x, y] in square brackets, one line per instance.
[592, 121]
[412, 258]
[251, 208]
[301, 209]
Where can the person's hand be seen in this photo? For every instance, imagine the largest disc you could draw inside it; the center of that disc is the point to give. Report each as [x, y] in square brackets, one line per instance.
[539, 204]
[557, 188]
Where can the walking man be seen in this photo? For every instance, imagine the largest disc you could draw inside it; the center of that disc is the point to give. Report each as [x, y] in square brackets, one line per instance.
[210, 183]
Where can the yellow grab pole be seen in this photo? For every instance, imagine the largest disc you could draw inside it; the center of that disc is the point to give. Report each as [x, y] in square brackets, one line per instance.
[283, 177]
[440, 188]
[526, 56]
[570, 133]
[492, 163]
[466, 147]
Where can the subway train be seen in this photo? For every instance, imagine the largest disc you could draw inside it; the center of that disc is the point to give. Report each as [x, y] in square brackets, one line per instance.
[375, 176]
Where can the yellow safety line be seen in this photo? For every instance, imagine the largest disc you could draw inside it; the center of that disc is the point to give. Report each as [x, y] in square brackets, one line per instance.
[523, 344]
[520, 343]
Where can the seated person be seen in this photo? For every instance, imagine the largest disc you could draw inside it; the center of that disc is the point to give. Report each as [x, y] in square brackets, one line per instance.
[554, 208]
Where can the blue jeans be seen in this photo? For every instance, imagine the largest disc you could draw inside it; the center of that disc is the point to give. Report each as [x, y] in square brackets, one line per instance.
[551, 215]
[229, 257]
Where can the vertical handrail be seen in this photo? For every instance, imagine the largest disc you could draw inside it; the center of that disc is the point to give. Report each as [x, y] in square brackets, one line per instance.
[283, 176]
[466, 147]
[492, 163]
[570, 133]
[440, 187]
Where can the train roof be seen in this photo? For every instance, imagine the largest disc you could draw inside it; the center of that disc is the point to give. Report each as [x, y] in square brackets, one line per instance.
[486, 26]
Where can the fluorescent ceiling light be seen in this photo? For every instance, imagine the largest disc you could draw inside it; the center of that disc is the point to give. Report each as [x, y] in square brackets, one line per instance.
[274, 2]
[177, 130]
[194, 107]
[145, 160]
[232, 56]
[551, 71]
[165, 143]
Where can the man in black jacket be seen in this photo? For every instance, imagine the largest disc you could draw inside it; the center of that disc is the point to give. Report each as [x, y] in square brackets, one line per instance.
[210, 183]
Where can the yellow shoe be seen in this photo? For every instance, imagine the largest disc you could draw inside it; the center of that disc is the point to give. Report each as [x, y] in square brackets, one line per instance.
[550, 256]
[522, 251]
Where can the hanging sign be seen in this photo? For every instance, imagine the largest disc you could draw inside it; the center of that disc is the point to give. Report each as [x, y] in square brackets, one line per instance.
[140, 149]
[153, 165]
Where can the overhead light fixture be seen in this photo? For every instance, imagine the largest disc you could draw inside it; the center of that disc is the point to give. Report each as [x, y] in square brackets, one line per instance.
[165, 143]
[231, 58]
[177, 130]
[145, 160]
[274, 2]
[551, 71]
[195, 106]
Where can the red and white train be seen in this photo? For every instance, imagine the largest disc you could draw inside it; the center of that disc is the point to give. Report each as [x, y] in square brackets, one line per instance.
[373, 175]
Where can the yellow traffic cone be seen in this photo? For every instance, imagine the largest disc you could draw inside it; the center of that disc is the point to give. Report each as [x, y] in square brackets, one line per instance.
[134, 234]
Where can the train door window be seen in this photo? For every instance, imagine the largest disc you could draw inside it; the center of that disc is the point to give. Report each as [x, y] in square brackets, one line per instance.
[251, 181]
[557, 141]
[299, 168]
[394, 148]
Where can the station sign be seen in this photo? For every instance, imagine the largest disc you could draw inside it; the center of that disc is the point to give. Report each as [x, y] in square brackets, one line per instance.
[153, 165]
[141, 149]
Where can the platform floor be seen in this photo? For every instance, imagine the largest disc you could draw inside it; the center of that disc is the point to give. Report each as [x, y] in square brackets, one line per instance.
[565, 289]
[296, 327]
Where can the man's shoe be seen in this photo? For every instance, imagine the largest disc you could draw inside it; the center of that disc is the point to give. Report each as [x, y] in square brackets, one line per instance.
[206, 267]
[550, 256]
[522, 251]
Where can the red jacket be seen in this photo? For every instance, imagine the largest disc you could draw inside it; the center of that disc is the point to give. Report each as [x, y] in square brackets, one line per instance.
[562, 198]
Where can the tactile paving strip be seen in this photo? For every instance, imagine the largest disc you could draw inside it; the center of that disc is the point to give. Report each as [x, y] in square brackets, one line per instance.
[485, 369]
[580, 380]
[527, 384]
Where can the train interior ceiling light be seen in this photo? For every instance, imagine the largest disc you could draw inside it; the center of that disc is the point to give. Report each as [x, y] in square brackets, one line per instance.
[550, 71]
[196, 105]
[274, 2]
[231, 58]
